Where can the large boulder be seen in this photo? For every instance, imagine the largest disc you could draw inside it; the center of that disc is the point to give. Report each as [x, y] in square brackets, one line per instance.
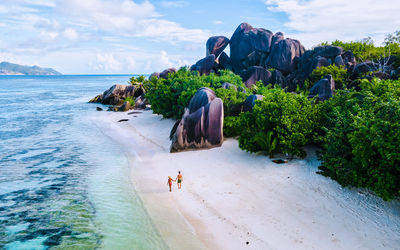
[202, 97]
[224, 62]
[250, 101]
[227, 85]
[254, 74]
[155, 74]
[277, 78]
[165, 73]
[364, 67]
[240, 46]
[205, 65]
[323, 89]
[200, 128]
[115, 95]
[339, 61]
[261, 39]
[141, 102]
[125, 107]
[97, 98]
[328, 51]
[215, 45]
[277, 38]
[284, 54]
[348, 58]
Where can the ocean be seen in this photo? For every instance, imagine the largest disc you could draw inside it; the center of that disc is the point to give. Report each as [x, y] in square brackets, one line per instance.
[63, 184]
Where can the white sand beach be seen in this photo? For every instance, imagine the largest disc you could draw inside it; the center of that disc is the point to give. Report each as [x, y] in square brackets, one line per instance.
[231, 199]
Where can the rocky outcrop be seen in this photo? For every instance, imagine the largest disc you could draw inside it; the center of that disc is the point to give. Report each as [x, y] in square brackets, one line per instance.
[250, 101]
[249, 47]
[321, 56]
[323, 89]
[155, 74]
[205, 65]
[201, 125]
[364, 67]
[227, 85]
[141, 102]
[254, 74]
[215, 45]
[115, 95]
[125, 107]
[224, 62]
[165, 73]
[277, 78]
[284, 55]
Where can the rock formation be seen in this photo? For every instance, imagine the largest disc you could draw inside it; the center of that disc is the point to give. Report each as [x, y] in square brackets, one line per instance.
[250, 101]
[323, 89]
[165, 73]
[201, 125]
[205, 65]
[115, 95]
[215, 45]
[254, 74]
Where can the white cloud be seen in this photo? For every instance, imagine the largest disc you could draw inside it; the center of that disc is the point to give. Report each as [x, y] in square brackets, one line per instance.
[106, 62]
[173, 4]
[217, 22]
[125, 17]
[316, 21]
[70, 34]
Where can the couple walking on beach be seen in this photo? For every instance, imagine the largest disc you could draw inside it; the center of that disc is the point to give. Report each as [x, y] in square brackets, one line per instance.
[178, 177]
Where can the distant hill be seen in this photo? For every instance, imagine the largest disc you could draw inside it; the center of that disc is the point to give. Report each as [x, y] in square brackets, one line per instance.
[7, 68]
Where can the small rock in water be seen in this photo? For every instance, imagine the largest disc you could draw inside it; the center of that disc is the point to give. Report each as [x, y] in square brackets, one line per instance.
[280, 161]
[123, 120]
[247, 242]
[99, 109]
[134, 112]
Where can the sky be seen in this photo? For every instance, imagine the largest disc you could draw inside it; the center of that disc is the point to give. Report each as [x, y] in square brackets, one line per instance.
[141, 37]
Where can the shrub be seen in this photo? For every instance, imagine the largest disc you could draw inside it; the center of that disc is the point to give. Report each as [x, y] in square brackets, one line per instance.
[362, 140]
[365, 49]
[170, 96]
[231, 126]
[232, 100]
[131, 100]
[280, 123]
[339, 75]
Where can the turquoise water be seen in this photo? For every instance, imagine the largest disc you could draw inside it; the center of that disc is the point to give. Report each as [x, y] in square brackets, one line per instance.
[63, 184]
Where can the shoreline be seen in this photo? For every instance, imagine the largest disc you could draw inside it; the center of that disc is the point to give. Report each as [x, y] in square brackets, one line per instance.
[230, 197]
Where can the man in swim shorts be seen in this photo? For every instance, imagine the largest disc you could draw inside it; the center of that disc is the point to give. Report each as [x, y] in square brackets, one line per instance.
[180, 179]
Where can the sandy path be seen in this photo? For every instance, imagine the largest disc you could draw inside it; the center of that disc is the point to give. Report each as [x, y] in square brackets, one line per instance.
[230, 198]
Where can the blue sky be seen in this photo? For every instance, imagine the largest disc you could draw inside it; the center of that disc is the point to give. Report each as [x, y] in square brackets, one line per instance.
[125, 36]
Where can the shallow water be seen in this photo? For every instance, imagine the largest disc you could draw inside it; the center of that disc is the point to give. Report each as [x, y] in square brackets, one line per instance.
[63, 184]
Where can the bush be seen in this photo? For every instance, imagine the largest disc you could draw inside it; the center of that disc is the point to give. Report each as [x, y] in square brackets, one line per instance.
[131, 100]
[232, 100]
[231, 126]
[362, 140]
[365, 49]
[170, 96]
[339, 74]
[280, 123]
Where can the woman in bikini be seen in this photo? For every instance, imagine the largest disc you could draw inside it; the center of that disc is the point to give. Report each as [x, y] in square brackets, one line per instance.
[170, 183]
[180, 179]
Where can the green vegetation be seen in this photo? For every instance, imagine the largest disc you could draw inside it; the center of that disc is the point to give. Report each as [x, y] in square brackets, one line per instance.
[141, 84]
[131, 100]
[169, 97]
[339, 75]
[231, 126]
[365, 49]
[280, 123]
[358, 130]
[362, 137]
